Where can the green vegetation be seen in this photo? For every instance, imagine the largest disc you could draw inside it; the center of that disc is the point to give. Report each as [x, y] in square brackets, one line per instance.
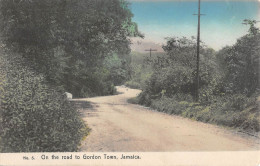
[35, 117]
[141, 69]
[69, 41]
[229, 82]
[49, 47]
[232, 111]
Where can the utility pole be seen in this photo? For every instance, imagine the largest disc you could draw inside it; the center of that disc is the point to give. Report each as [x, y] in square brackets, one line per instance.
[253, 30]
[198, 54]
[150, 50]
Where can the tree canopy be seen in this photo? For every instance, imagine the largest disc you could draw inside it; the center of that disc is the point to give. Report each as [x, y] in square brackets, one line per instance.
[68, 40]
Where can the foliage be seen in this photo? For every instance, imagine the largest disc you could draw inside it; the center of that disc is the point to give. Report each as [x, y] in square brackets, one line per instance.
[174, 73]
[229, 82]
[240, 64]
[67, 41]
[33, 116]
[140, 69]
[118, 68]
[235, 111]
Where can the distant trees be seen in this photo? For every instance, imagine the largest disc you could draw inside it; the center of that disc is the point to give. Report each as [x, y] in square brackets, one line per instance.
[67, 41]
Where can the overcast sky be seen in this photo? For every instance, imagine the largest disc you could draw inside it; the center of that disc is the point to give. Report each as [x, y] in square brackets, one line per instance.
[221, 25]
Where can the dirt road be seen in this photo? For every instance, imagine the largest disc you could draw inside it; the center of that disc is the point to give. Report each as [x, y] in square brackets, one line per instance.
[119, 126]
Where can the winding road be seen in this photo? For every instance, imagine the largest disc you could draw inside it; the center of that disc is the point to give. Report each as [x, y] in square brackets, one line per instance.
[119, 126]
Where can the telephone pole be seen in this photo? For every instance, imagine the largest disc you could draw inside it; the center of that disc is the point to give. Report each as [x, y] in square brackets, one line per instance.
[198, 54]
[150, 50]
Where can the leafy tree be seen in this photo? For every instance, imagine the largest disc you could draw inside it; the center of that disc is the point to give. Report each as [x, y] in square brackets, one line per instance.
[241, 63]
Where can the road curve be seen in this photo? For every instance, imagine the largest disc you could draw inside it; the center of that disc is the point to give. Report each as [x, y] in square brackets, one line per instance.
[119, 126]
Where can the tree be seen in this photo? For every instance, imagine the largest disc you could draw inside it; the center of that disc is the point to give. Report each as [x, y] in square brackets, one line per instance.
[67, 41]
[241, 63]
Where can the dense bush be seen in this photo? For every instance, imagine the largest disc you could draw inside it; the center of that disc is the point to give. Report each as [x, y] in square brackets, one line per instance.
[34, 116]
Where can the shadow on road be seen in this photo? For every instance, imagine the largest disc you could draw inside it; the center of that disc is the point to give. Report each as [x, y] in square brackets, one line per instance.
[85, 108]
[80, 104]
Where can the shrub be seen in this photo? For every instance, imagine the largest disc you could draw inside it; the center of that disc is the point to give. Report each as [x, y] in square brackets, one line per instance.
[35, 117]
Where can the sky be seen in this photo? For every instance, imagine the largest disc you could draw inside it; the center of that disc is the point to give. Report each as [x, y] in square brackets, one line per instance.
[221, 25]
